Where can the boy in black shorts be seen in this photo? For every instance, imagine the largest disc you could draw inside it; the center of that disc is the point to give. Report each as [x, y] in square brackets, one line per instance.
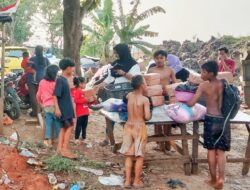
[64, 107]
[216, 133]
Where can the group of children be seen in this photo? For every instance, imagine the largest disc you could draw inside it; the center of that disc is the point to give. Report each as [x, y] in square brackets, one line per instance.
[62, 103]
[135, 133]
[55, 96]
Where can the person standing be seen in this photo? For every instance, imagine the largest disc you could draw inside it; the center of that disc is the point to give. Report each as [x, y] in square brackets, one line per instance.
[122, 70]
[38, 63]
[82, 109]
[174, 63]
[225, 63]
[135, 132]
[64, 110]
[217, 134]
[46, 100]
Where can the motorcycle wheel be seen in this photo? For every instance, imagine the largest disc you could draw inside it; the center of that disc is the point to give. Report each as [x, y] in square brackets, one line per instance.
[24, 106]
[12, 108]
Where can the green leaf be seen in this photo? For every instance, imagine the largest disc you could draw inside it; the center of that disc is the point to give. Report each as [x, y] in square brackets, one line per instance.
[150, 12]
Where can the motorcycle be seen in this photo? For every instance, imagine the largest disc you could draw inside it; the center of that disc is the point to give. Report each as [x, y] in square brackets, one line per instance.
[22, 92]
[18, 89]
[11, 106]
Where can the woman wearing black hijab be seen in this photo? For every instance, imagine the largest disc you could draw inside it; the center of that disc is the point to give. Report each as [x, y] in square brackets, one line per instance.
[124, 67]
[122, 70]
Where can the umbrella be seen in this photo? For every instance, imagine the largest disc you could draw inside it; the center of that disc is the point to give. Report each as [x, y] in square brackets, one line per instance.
[88, 63]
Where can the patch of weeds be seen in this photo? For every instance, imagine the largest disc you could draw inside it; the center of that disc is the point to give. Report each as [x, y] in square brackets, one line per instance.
[94, 165]
[84, 175]
[60, 164]
[40, 145]
[94, 186]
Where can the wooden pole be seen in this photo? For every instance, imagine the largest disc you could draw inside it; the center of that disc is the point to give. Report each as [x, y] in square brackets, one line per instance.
[2, 78]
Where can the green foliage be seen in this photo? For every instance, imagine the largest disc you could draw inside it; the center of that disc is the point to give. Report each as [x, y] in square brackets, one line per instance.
[53, 13]
[89, 5]
[19, 29]
[91, 47]
[59, 164]
[128, 27]
[94, 165]
[101, 32]
[4, 3]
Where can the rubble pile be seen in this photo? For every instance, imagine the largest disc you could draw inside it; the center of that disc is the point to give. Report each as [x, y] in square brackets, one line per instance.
[194, 53]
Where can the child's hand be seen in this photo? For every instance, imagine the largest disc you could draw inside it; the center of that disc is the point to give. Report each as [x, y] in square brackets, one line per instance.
[58, 113]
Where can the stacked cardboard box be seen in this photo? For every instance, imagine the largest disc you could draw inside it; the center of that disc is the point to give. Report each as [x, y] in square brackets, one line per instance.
[154, 88]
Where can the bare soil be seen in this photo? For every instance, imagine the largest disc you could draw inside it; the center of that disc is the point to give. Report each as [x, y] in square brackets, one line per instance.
[156, 173]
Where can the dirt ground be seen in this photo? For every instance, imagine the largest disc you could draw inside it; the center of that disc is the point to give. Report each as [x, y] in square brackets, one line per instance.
[156, 173]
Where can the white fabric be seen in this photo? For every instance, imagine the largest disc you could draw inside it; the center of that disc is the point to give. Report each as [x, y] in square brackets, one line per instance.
[135, 70]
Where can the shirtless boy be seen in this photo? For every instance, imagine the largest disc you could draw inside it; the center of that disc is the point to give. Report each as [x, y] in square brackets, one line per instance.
[135, 131]
[167, 76]
[214, 140]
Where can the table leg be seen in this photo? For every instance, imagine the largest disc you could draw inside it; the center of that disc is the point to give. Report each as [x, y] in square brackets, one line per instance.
[158, 129]
[109, 127]
[246, 165]
[187, 166]
[195, 147]
[167, 132]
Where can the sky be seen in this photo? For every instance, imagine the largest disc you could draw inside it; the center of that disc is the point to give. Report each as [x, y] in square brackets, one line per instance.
[185, 19]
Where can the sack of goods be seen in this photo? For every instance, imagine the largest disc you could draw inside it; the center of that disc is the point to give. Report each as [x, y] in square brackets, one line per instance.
[152, 79]
[114, 105]
[157, 100]
[185, 92]
[195, 78]
[171, 91]
[155, 90]
[181, 113]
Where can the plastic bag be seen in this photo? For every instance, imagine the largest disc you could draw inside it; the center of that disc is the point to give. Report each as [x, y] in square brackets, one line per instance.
[114, 105]
[182, 113]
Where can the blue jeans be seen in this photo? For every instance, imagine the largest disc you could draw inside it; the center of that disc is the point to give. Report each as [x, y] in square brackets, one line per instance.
[51, 122]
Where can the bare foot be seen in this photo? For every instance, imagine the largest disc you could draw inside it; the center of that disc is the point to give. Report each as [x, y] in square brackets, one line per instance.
[210, 182]
[138, 184]
[219, 184]
[127, 185]
[68, 154]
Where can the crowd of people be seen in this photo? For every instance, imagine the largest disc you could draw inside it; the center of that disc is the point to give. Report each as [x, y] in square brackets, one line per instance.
[66, 108]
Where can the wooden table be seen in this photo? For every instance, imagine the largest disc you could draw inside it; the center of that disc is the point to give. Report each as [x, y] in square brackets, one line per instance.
[241, 118]
[190, 161]
[160, 118]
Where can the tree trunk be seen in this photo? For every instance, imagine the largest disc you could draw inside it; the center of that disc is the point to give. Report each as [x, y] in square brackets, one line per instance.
[72, 31]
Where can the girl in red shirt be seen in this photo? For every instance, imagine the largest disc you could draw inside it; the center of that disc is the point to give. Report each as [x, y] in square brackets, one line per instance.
[82, 109]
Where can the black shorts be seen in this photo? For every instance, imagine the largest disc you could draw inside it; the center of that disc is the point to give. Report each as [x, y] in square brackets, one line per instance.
[183, 75]
[214, 135]
[67, 123]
